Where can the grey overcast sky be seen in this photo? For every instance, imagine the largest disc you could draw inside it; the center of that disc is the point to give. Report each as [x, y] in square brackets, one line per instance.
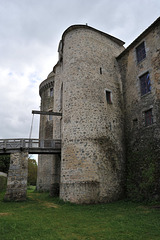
[30, 31]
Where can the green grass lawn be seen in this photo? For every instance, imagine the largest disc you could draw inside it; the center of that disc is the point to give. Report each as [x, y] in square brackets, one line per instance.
[42, 217]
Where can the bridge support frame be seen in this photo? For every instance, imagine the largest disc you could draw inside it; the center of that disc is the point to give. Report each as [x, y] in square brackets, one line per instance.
[17, 177]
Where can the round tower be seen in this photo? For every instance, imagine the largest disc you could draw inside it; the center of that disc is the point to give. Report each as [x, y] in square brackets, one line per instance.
[92, 162]
[45, 173]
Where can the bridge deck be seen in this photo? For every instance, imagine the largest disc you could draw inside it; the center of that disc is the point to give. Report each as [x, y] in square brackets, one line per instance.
[34, 146]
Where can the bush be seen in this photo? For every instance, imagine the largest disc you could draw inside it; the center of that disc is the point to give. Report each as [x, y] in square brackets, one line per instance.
[142, 184]
[32, 172]
[4, 163]
[3, 183]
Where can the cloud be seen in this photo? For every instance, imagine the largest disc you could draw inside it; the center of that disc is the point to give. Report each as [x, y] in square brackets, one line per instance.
[30, 33]
[18, 96]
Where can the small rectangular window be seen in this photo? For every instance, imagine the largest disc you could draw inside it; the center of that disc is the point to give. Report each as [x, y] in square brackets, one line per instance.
[51, 92]
[50, 117]
[108, 96]
[140, 52]
[135, 122]
[145, 83]
[148, 117]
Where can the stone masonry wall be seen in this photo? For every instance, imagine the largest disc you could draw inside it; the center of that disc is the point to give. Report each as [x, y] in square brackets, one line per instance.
[57, 129]
[92, 163]
[17, 177]
[45, 174]
[100, 99]
[142, 142]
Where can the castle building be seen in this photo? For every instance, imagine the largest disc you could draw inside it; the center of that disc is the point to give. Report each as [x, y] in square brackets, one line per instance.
[109, 98]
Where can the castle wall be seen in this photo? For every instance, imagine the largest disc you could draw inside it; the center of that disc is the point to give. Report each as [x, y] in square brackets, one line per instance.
[103, 128]
[57, 134]
[142, 142]
[45, 173]
[92, 162]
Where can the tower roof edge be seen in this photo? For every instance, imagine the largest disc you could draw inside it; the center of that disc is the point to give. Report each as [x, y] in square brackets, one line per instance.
[73, 27]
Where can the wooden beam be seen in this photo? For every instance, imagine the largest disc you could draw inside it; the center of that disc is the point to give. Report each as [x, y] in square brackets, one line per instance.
[46, 113]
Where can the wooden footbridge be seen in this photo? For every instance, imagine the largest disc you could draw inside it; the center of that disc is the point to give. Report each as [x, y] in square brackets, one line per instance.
[32, 146]
[19, 150]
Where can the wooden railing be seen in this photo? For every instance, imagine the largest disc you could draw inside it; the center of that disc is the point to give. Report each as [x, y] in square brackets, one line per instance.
[25, 143]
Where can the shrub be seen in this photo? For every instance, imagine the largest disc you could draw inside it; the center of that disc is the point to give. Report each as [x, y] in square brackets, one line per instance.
[3, 183]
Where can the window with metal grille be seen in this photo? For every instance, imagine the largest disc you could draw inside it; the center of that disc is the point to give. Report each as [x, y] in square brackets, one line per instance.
[148, 117]
[140, 52]
[145, 83]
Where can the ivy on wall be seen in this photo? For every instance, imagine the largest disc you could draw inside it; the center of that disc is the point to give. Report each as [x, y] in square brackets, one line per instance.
[143, 176]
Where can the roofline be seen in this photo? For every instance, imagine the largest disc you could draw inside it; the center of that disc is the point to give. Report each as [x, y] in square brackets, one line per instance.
[47, 83]
[139, 38]
[73, 27]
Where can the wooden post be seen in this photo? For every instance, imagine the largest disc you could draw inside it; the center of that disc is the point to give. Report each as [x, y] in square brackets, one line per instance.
[46, 113]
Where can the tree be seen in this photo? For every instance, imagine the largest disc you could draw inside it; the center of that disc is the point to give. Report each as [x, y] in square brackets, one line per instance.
[32, 171]
[4, 163]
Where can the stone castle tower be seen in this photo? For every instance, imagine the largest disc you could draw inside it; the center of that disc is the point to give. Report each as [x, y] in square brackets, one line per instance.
[88, 86]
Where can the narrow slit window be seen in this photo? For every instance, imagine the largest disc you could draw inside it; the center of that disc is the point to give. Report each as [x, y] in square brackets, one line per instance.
[135, 122]
[51, 92]
[50, 117]
[100, 70]
[148, 117]
[108, 96]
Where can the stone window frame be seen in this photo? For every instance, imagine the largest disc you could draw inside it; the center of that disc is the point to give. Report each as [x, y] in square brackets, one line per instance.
[153, 116]
[141, 52]
[148, 117]
[108, 96]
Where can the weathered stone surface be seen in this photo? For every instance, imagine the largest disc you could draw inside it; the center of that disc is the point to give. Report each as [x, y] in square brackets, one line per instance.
[48, 166]
[142, 142]
[89, 124]
[17, 177]
[97, 90]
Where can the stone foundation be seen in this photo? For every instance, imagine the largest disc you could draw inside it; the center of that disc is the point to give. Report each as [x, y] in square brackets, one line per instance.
[17, 177]
[80, 192]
